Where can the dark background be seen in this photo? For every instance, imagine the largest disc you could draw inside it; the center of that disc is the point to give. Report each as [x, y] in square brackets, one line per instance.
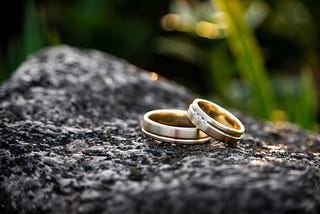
[287, 35]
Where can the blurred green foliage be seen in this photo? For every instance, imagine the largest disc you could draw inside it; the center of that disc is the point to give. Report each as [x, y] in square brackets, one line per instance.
[248, 58]
[235, 61]
[260, 56]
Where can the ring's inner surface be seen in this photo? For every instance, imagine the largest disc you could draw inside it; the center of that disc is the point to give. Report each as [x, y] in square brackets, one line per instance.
[218, 115]
[172, 119]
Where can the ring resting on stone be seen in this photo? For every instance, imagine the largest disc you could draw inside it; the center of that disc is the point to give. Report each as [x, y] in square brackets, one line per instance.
[172, 125]
[204, 119]
[215, 121]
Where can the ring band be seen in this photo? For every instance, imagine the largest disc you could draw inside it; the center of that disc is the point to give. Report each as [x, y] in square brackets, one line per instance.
[203, 124]
[172, 125]
[176, 140]
[218, 117]
[216, 121]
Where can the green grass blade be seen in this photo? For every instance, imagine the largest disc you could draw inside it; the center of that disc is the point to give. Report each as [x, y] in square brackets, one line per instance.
[33, 30]
[306, 114]
[248, 58]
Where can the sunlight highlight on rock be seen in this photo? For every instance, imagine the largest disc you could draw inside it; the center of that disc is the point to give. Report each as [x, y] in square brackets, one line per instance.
[154, 76]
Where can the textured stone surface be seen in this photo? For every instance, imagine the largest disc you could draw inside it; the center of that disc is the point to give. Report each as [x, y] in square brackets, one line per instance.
[71, 142]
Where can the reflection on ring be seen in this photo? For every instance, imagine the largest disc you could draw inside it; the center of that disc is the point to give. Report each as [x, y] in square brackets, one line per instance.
[172, 125]
[215, 121]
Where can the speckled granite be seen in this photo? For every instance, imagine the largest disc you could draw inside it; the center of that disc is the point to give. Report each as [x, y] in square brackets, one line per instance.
[70, 142]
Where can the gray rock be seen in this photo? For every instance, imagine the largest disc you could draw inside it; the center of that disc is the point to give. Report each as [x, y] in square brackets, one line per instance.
[71, 143]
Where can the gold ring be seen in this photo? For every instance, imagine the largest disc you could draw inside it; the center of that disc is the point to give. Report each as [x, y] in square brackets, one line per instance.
[172, 125]
[216, 121]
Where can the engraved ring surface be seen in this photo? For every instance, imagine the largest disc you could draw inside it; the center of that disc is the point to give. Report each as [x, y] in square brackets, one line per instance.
[216, 121]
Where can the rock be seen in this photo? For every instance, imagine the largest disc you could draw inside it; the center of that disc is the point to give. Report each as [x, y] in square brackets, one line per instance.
[71, 143]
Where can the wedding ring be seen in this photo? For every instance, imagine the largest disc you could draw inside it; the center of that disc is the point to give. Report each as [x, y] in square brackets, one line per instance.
[216, 121]
[218, 117]
[172, 125]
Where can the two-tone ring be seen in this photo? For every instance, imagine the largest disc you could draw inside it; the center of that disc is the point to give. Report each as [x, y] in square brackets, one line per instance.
[215, 121]
[173, 126]
[204, 119]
